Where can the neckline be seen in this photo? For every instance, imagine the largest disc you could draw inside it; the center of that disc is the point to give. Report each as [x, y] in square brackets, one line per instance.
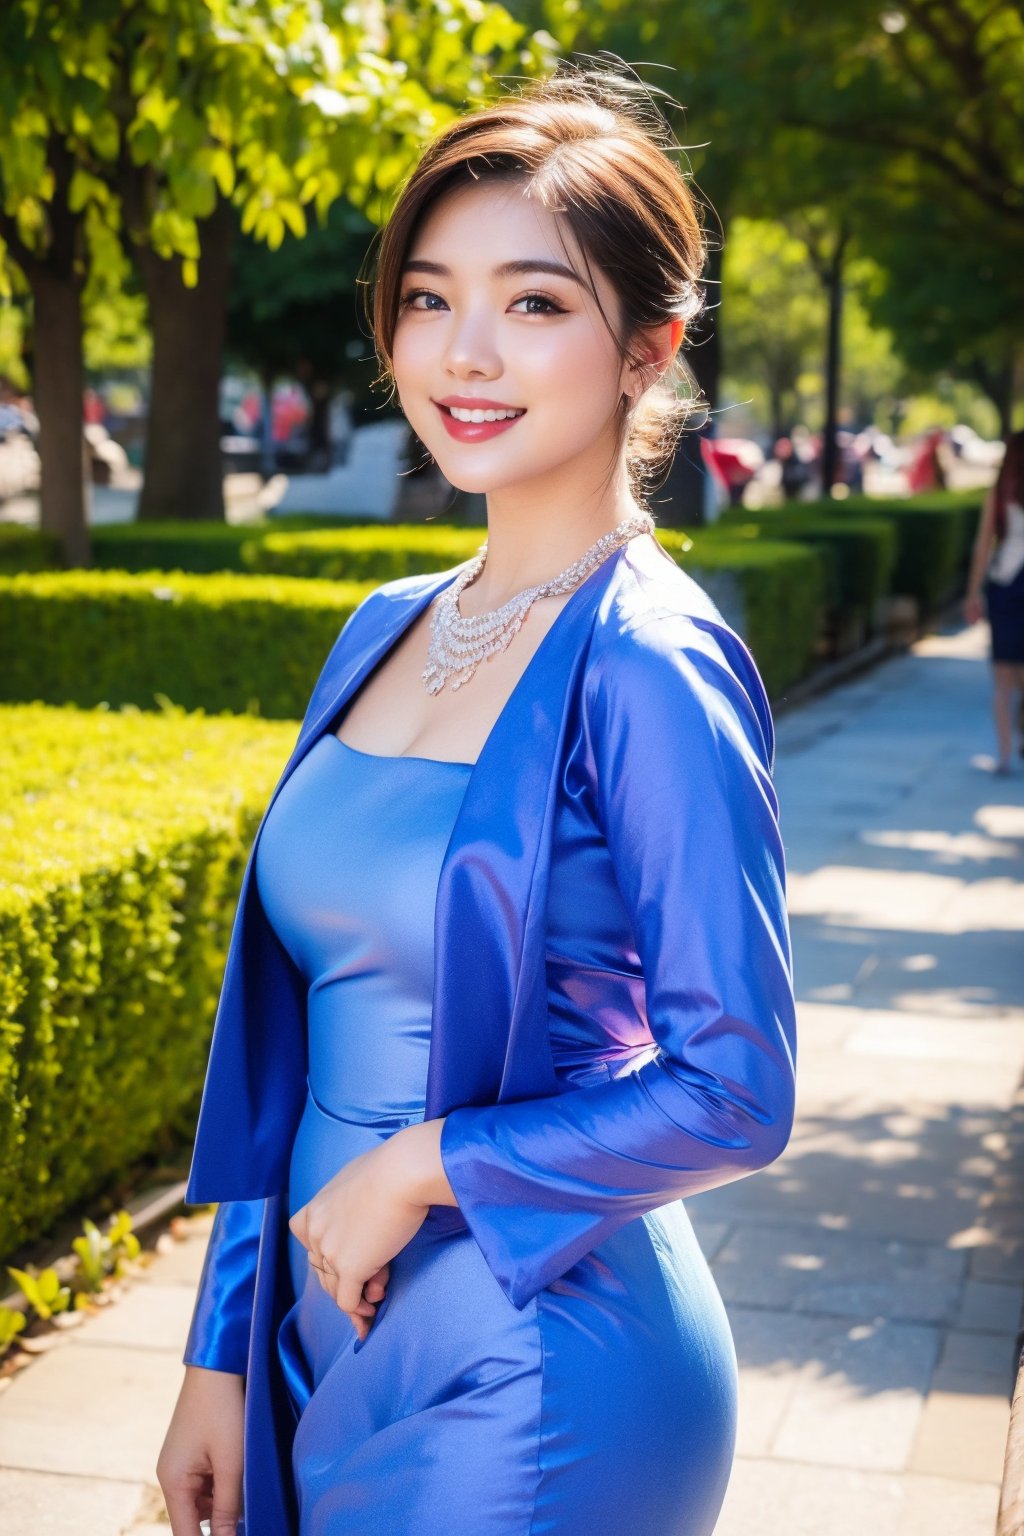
[398, 757]
[603, 570]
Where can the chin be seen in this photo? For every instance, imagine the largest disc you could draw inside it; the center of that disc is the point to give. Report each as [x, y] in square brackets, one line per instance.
[474, 481]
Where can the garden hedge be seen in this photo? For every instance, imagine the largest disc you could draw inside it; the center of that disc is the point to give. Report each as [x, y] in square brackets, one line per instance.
[254, 644]
[859, 553]
[245, 644]
[126, 837]
[26, 549]
[934, 536]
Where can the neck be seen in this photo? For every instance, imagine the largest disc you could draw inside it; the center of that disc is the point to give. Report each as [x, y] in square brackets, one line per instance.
[532, 538]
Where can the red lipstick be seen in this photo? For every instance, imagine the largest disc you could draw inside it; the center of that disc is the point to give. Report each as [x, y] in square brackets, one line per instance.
[474, 431]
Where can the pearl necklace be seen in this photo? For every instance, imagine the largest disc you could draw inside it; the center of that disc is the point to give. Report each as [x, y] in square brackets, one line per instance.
[458, 645]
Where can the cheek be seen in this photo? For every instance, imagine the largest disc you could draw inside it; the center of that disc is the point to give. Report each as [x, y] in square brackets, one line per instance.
[410, 351]
[576, 365]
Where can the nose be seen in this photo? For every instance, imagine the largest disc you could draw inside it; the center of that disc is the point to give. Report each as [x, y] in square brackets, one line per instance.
[471, 349]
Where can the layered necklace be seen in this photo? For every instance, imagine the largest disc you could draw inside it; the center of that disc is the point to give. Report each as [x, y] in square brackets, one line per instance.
[458, 645]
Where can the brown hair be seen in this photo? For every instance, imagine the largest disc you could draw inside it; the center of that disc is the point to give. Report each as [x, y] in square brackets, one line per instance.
[1009, 481]
[592, 147]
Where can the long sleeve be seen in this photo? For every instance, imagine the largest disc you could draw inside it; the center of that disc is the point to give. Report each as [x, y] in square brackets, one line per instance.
[219, 1333]
[681, 743]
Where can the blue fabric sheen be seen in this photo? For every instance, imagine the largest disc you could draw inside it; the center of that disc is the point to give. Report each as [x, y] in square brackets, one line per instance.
[628, 1039]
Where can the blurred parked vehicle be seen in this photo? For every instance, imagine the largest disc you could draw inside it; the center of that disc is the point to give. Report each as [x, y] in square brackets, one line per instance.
[734, 462]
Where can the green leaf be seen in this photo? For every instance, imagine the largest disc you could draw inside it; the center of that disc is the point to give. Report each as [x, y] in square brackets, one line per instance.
[294, 217]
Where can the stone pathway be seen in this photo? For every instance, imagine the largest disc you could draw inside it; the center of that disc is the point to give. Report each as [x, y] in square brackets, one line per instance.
[874, 1275]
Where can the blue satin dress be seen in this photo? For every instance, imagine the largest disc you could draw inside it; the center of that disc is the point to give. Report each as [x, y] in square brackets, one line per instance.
[607, 1403]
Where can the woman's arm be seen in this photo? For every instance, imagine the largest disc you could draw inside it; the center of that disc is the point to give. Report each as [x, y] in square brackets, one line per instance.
[219, 1333]
[682, 745]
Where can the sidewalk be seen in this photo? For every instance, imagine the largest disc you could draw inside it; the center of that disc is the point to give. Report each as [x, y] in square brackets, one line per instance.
[872, 1277]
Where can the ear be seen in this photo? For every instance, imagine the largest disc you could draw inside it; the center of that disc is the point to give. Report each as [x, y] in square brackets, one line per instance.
[657, 346]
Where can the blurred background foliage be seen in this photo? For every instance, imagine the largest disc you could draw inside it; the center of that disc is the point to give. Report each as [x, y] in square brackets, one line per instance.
[184, 180]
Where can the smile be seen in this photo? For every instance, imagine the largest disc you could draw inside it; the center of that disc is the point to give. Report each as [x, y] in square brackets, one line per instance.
[477, 424]
[462, 414]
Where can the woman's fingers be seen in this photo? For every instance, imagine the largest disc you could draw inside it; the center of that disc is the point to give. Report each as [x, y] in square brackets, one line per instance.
[357, 1300]
[377, 1284]
[227, 1500]
[183, 1495]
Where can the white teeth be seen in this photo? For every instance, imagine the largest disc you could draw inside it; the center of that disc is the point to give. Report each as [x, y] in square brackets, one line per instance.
[462, 414]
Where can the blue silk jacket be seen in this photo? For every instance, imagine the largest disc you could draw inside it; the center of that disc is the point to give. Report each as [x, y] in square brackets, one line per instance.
[643, 715]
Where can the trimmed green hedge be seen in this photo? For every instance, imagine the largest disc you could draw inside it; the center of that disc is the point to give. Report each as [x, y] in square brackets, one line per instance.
[193, 546]
[364, 553]
[245, 644]
[859, 552]
[26, 549]
[125, 839]
[934, 535]
[254, 644]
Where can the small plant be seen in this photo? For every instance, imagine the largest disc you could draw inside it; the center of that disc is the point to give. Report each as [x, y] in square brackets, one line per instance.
[11, 1323]
[100, 1254]
[89, 1251]
[123, 1242]
[43, 1292]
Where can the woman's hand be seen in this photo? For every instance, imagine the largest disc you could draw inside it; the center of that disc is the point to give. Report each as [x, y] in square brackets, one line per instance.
[973, 608]
[356, 1224]
[199, 1468]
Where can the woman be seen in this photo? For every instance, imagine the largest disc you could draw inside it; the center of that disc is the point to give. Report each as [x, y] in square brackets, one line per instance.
[510, 973]
[998, 562]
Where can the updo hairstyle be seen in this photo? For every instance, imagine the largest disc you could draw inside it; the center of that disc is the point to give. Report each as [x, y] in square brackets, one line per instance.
[592, 147]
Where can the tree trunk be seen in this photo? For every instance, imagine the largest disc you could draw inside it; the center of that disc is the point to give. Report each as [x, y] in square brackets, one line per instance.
[56, 278]
[833, 361]
[58, 384]
[183, 470]
[998, 382]
[320, 396]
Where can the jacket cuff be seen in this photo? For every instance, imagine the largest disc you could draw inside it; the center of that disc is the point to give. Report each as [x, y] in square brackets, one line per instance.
[218, 1336]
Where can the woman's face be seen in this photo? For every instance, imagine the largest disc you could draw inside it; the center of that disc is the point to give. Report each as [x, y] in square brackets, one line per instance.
[492, 318]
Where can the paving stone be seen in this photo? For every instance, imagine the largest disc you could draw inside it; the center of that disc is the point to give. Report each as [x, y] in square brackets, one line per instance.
[962, 1435]
[988, 1306]
[43, 1504]
[778, 1499]
[998, 1261]
[774, 1351]
[180, 1262]
[80, 1411]
[150, 1316]
[858, 1401]
[984, 1363]
[997, 1042]
[809, 1269]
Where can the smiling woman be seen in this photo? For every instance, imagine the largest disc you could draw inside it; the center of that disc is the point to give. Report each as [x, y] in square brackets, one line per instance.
[510, 973]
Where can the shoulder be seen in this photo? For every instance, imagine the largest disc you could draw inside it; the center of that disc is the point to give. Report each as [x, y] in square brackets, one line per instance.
[662, 654]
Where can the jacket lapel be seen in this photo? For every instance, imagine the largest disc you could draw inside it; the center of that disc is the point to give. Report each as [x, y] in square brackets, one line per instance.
[489, 1032]
[489, 1035]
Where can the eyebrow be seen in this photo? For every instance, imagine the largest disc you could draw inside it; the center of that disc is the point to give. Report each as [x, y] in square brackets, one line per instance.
[507, 269]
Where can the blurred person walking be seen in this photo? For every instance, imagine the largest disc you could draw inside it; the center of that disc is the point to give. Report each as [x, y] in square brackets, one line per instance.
[997, 569]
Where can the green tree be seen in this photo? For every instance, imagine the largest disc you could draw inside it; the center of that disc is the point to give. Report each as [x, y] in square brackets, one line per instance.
[776, 321]
[147, 121]
[296, 311]
[867, 115]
